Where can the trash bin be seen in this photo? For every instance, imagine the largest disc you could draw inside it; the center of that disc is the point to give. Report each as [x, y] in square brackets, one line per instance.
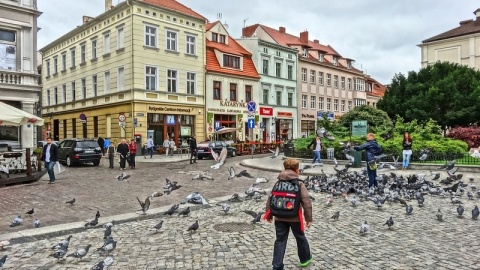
[330, 153]
[357, 155]
[289, 149]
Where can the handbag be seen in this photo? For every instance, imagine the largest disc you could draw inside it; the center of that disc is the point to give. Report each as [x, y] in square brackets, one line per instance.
[372, 164]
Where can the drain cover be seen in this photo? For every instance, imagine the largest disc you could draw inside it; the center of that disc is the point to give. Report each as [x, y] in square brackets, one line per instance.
[234, 227]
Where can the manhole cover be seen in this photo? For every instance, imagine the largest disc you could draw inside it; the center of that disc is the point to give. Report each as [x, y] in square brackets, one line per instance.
[234, 227]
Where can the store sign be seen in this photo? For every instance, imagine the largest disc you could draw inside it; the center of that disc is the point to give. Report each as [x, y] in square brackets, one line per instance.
[266, 111]
[284, 114]
[233, 104]
[308, 115]
[169, 109]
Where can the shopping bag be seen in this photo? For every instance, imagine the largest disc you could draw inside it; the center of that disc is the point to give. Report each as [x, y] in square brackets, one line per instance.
[58, 168]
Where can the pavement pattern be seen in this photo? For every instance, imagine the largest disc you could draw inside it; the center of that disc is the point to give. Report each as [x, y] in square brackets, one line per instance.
[416, 241]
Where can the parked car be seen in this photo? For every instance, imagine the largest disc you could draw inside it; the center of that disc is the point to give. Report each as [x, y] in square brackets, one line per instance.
[204, 149]
[75, 151]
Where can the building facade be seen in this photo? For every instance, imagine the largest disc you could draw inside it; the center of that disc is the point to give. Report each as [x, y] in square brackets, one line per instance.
[459, 45]
[277, 65]
[137, 70]
[18, 67]
[327, 83]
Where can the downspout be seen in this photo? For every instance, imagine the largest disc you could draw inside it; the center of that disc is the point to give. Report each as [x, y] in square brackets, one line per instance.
[132, 92]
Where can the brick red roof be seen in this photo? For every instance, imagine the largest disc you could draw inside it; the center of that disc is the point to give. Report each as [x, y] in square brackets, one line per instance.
[378, 89]
[175, 6]
[209, 25]
[466, 28]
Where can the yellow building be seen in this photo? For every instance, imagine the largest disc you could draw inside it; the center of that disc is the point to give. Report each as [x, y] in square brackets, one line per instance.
[135, 70]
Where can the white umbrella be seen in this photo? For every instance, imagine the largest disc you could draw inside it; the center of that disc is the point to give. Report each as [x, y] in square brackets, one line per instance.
[12, 116]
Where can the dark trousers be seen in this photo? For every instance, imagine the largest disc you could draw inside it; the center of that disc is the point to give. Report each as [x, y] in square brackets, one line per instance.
[103, 150]
[150, 151]
[372, 177]
[110, 160]
[193, 156]
[282, 229]
[132, 160]
[123, 159]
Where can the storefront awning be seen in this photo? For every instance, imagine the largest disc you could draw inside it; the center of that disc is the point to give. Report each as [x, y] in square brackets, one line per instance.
[12, 116]
[225, 130]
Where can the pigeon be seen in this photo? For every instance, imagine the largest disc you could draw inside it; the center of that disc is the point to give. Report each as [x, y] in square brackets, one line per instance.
[109, 245]
[172, 210]
[202, 176]
[470, 195]
[448, 166]
[260, 180]
[99, 266]
[3, 260]
[158, 226]
[335, 162]
[92, 223]
[460, 210]
[122, 177]
[193, 227]
[329, 200]
[36, 224]
[80, 253]
[221, 159]
[389, 222]
[59, 254]
[108, 261]
[475, 213]
[364, 228]
[439, 215]
[304, 167]
[336, 215]
[30, 212]
[109, 224]
[156, 194]
[225, 208]
[107, 242]
[63, 244]
[275, 153]
[424, 154]
[353, 201]
[144, 205]
[184, 212]
[244, 173]
[235, 198]
[16, 221]
[420, 200]
[97, 215]
[71, 202]
[256, 216]
[107, 232]
[409, 209]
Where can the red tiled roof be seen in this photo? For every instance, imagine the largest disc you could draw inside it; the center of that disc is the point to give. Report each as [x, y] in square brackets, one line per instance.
[378, 89]
[209, 25]
[466, 28]
[175, 6]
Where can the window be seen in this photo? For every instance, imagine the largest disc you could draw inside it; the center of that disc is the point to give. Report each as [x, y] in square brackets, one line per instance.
[335, 61]
[329, 104]
[265, 66]
[83, 53]
[349, 65]
[313, 101]
[94, 85]
[191, 41]
[55, 96]
[74, 93]
[349, 105]
[349, 83]
[64, 93]
[222, 39]
[231, 61]
[335, 105]
[329, 79]
[72, 58]
[106, 82]
[171, 81]
[84, 88]
[278, 53]
[290, 72]
[106, 43]
[342, 82]
[278, 69]
[233, 92]
[121, 79]
[94, 49]
[335, 81]
[320, 78]
[64, 61]
[48, 68]
[312, 76]
[171, 41]
[360, 102]
[290, 99]
[214, 37]
[217, 90]
[304, 75]
[304, 101]
[191, 83]
[342, 106]
[265, 50]
[320, 57]
[120, 38]
[150, 78]
[265, 96]
[248, 93]
[304, 52]
[278, 97]
[150, 36]
[48, 97]
[359, 85]
[55, 65]
[8, 36]
[320, 103]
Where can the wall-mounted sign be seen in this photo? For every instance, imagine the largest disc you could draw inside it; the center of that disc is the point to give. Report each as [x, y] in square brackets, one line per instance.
[171, 120]
[233, 104]
[83, 118]
[266, 111]
[308, 115]
[284, 114]
[169, 109]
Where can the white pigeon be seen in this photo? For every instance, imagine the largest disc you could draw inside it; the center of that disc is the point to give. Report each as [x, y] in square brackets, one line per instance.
[122, 177]
[260, 180]
[275, 153]
[214, 155]
[364, 228]
[353, 201]
[36, 224]
[108, 261]
[221, 159]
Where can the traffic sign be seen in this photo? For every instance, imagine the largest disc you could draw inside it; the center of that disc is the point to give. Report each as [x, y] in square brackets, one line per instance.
[121, 117]
[251, 114]
[135, 122]
[251, 123]
[251, 106]
[217, 125]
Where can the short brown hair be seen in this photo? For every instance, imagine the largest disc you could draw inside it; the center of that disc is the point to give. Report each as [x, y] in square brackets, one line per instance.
[291, 164]
[371, 135]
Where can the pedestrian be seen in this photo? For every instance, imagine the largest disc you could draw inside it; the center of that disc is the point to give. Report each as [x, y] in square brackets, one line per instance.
[373, 149]
[50, 157]
[317, 147]
[111, 154]
[122, 150]
[166, 145]
[289, 204]
[150, 146]
[193, 149]
[101, 143]
[171, 147]
[407, 150]
[132, 148]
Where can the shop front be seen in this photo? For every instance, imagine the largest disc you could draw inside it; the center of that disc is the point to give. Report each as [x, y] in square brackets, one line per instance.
[267, 124]
[228, 114]
[284, 126]
[307, 124]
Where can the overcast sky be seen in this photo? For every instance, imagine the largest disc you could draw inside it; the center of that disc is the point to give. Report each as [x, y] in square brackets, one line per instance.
[380, 35]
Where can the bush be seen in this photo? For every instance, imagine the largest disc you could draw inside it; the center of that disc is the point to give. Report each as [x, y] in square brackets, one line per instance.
[470, 135]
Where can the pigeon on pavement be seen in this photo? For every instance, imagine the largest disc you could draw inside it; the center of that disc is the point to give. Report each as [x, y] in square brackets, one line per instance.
[71, 202]
[63, 244]
[59, 253]
[3, 260]
[30, 212]
[275, 153]
[460, 210]
[409, 209]
[225, 208]
[389, 222]
[109, 224]
[172, 209]
[36, 224]
[184, 212]
[108, 261]
[107, 232]
[80, 253]
[16, 221]
[97, 215]
[475, 213]
[156, 194]
[193, 227]
[336, 215]
[439, 215]
[92, 223]
[107, 242]
[144, 205]
[257, 216]
[364, 228]
[158, 226]
[235, 198]
[109, 245]
[123, 176]
[99, 266]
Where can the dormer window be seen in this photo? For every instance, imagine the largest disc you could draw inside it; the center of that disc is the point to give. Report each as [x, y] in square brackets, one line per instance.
[304, 52]
[335, 61]
[214, 37]
[349, 64]
[320, 57]
[231, 61]
[222, 39]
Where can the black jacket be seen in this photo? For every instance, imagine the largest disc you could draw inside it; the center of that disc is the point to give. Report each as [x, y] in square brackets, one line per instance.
[371, 147]
[53, 152]
[193, 144]
[314, 143]
[407, 145]
[123, 149]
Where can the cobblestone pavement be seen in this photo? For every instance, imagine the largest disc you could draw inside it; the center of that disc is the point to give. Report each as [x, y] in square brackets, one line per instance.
[417, 241]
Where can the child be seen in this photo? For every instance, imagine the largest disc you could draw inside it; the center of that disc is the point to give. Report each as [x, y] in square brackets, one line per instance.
[111, 154]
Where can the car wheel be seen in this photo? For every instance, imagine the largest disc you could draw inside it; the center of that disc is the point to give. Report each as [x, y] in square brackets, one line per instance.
[69, 162]
[234, 153]
[96, 163]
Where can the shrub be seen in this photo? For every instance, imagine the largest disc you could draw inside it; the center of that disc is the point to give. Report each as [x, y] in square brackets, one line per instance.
[470, 135]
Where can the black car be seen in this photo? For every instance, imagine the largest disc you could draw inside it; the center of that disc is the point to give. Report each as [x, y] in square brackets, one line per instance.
[204, 149]
[75, 151]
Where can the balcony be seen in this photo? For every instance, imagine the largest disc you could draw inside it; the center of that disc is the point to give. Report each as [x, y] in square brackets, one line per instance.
[10, 78]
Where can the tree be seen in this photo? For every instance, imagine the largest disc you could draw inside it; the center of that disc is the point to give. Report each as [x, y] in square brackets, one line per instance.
[445, 92]
[378, 120]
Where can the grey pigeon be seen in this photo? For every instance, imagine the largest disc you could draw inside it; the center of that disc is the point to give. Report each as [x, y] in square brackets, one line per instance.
[244, 173]
[336, 215]
[460, 210]
[475, 213]
[470, 195]
[275, 153]
[256, 216]
[71, 202]
[172, 209]
[36, 224]
[409, 209]
[80, 253]
[108, 261]
[92, 223]
[193, 227]
[158, 226]
[109, 246]
[30, 212]
[107, 242]
[353, 201]
[109, 224]
[122, 177]
[364, 228]
[389, 222]
[156, 194]
[59, 253]
[225, 208]
[235, 198]
[3, 260]
[63, 244]
[99, 266]
[97, 215]
[16, 221]
[107, 233]
[144, 205]
[439, 215]
[184, 212]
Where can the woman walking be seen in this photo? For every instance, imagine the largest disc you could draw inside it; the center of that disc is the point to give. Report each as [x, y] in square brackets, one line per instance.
[407, 150]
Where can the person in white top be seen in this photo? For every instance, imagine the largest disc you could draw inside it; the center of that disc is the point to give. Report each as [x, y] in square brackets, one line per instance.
[150, 146]
[171, 147]
[166, 145]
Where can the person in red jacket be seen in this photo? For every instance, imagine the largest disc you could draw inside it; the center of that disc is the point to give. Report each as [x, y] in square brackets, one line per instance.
[132, 148]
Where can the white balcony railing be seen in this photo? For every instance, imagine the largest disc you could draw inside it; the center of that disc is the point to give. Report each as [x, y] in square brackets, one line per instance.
[10, 78]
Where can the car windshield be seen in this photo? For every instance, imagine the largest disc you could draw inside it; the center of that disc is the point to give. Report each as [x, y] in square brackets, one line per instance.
[87, 144]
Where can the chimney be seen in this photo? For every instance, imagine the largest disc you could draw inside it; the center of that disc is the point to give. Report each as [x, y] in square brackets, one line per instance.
[86, 19]
[316, 41]
[282, 29]
[304, 36]
[477, 13]
[108, 5]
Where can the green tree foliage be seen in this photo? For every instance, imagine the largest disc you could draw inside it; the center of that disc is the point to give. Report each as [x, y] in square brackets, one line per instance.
[445, 92]
[378, 120]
